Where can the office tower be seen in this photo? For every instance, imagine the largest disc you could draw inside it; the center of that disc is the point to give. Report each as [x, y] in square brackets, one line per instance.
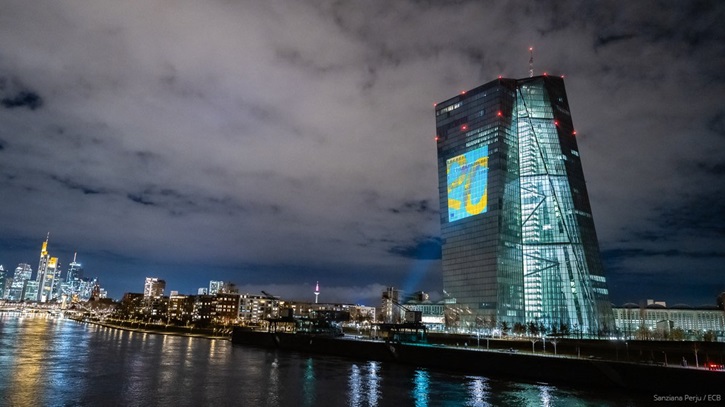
[48, 275]
[154, 287]
[215, 287]
[201, 291]
[31, 290]
[519, 243]
[16, 289]
[75, 270]
[4, 282]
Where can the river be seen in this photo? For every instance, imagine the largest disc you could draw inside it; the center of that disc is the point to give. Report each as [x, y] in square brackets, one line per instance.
[51, 361]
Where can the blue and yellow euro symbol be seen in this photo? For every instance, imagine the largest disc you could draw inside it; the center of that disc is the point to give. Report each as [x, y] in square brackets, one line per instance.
[467, 176]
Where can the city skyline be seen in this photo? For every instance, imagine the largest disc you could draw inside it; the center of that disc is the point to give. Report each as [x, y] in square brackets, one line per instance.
[281, 144]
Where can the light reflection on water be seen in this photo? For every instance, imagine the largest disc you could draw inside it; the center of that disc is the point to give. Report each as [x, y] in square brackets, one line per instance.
[51, 362]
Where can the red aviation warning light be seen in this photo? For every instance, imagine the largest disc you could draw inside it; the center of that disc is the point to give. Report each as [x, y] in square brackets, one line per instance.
[573, 132]
[464, 127]
[499, 113]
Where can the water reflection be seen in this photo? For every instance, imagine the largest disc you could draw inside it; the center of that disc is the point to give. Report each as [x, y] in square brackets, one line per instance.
[56, 363]
[373, 388]
[356, 391]
[477, 392]
[308, 386]
[273, 391]
[544, 391]
[364, 385]
[422, 387]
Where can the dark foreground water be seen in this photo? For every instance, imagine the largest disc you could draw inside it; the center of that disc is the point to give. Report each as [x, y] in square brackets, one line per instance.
[46, 361]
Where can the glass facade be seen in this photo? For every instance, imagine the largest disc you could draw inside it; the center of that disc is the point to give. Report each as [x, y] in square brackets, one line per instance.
[529, 253]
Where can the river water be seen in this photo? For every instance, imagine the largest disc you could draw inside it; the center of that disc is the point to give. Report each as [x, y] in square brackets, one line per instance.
[48, 361]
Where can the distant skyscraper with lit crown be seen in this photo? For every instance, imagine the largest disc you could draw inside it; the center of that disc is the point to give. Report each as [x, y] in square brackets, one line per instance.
[48, 275]
[519, 243]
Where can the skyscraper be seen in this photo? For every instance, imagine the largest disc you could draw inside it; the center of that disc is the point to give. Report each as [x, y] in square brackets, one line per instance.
[48, 275]
[16, 291]
[215, 287]
[75, 270]
[4, 279]
[153, 287]
[519, 243]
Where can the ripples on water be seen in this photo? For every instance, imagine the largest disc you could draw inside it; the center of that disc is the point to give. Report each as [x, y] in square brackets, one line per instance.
[46, 361]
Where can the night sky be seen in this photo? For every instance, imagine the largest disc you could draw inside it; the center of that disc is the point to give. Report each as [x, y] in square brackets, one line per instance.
[277, 143]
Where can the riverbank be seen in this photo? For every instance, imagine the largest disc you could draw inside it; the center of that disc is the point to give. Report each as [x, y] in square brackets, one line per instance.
[135, 326]
[506, 364]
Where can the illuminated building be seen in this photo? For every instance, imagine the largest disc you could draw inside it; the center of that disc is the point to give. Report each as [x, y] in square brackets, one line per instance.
[48, 275]
[519, 243]
[204, 309]
[657, 321]
[75, 270]
[15, 290]
[153, 287]
[255, 308]
[215, 287]
[181, 308]
[390, 309]
[30, 291]
[3, 280]
[226, 307]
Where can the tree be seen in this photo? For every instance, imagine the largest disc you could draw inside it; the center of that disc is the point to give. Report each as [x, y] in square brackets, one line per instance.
[504, 327]
[519, 328]
[533, 329]
[677, 334]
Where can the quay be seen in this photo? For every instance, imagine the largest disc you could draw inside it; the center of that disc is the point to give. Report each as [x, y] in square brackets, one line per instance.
[501, 363]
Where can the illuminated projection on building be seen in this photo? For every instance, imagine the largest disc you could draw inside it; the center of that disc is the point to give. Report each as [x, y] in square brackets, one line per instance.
[467, 184]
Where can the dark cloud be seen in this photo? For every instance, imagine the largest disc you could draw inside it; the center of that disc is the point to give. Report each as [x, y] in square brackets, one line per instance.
[70, 184]
[424, 248]
[140, 199]
[421, 206]
[27, 99]
[606, 40]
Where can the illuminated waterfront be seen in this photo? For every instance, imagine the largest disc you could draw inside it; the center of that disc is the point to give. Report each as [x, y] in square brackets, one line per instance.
[57, 362]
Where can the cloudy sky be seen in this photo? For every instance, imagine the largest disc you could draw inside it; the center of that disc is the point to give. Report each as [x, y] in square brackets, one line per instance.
[277, 143]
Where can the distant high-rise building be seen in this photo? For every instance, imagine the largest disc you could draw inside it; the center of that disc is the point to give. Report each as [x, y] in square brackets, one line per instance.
[215, 287]
[154, 287]
[4, 279]
[75, 270]
[202, 291]
[31, 290]
[519, 243]
[48, 275]
[16, 289]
